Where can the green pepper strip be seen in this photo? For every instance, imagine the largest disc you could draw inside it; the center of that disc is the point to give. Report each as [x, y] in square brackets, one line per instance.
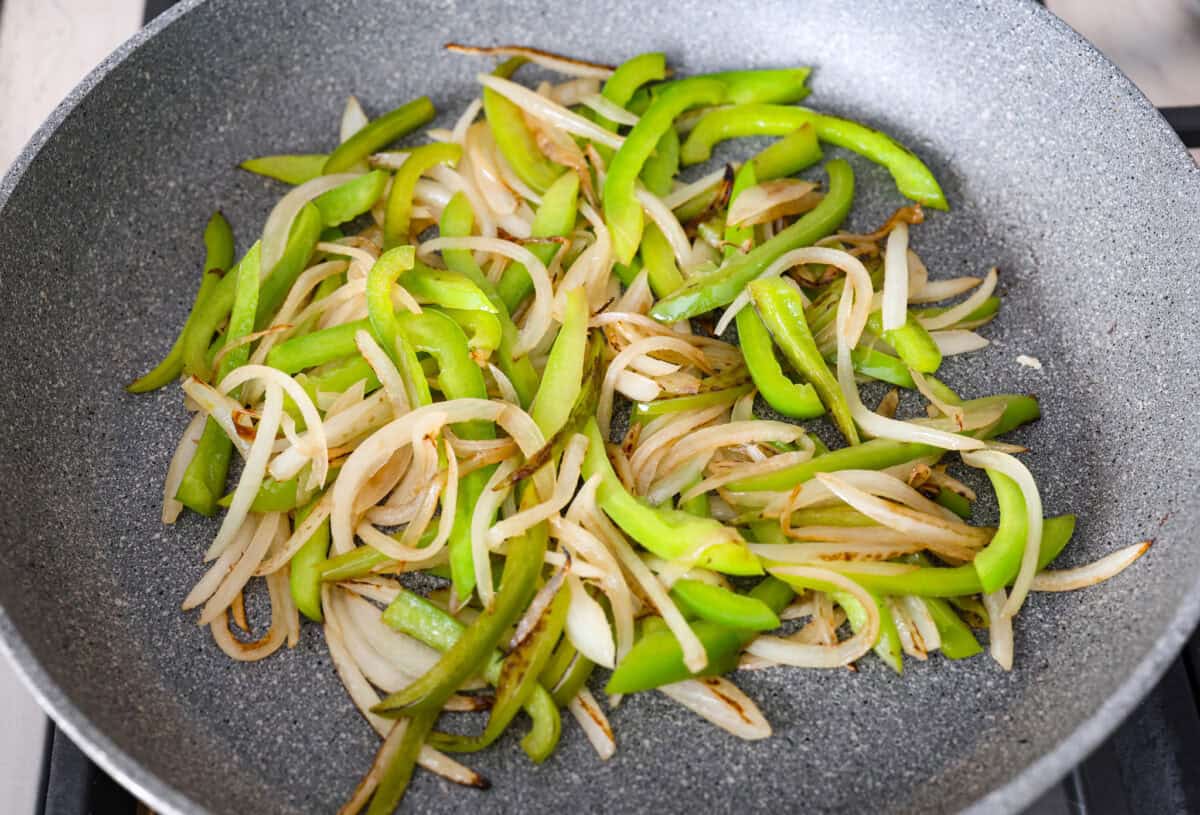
[667, 532]
[628, 77]
[302, 241]
[658, 259]
[657, 658]
[457, 221]
[941, 581]
[791, 399]
[562, 378]
[997, 563]
[208, 317]
[573, 680]
[912, 177]
[317, 348]
[513, 139]
[662, 165]
[519, 676]
[482, 328]
[412, 614]
[782, 311]
[954, 502]
[470, 653]
[379, 133]
[878, 454]
[555, 218]
[957, 640]
[648, 410]
[385, 325]
[398, 219]
[774, 85]
[337, 376]
[304, 576]
[290, 169]
[347, 201]
[738, 237]
[722, 606]
[399, 769]
[887, 646]
[218, 256]
[796, 151]
[622, 212]
[720, 288]
[446, 288]
[911, 341]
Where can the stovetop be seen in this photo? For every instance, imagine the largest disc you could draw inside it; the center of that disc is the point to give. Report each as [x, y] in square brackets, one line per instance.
[1151, 764]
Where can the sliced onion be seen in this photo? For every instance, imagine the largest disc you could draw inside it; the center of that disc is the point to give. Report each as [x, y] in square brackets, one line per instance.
[958, 341]
[769, 200]
[657, 439]
[1095, 572]
[481, 150]
[935, 291]
[787, 652]
[681, 195]
[961, 311]
[568, 480]
[538, 318]
[609, 110]
[895, 279]
[922, 620]
[385, 371]
[721, 702]
[1000, 632]
[254, 469]
[586, 547]
[240, 574]
[184, 453]
[485, 509]
[458, 134]
[279, 222]
[952, 412]
[587, 626]
[270, 642]
[1008, 465]
[911, 641]
[665, 220]
[451, 182]
[709, 439]
[627, 355]
[354, 119]
[594, 723]
[572, 92]
[636, 387]
[540, 107]
[570, 66]
[220, 569]
[753, 468]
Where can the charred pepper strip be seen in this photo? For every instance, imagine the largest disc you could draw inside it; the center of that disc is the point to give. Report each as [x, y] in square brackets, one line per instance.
[657, 658]
[912, 177]
[399, 770]
[469, 654]
[379, 133]
[218, 257]
[711, 291]
[622, 211]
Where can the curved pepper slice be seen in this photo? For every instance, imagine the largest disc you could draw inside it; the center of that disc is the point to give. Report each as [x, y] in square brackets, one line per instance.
[398, 215]
[379, 133]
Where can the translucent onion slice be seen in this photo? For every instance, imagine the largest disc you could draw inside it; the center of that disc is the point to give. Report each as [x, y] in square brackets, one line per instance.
[253, 471]
[895, 279]
[458, 134]
[935, 291]
[485, 509]
[540, 107]
[636, 387]
[656, 440]
[1008, 465]
[243, 570]
[769, 200]
[1000, 632]
[682, 194]
[568, 480]
[385, 372]
[572, 92]
[721, 702]
[587, 626]
[538, 317]
[911, 641]
[354, 119]
[871, 422]
[279, 222]
[665, 219]
[952, 412]
[710, 439]
[182, 457]
[963, 310]
[270, 642]
[634, 350]
[1095, 572]
[608, 109]
[753, 468]
[587, 548]
[452, 181]
[787, 652]
[482, 153]
[594, 723]
[569, 66]
[922, 620]
[958, 341]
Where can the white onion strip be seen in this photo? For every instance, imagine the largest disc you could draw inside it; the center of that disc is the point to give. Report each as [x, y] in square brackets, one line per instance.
[540, 107]
[958, 341]
[1000, 631]
[804, 655]
[1008, 465]
[622, 360]
[569, 66]
[279, 222]
[587, 626]
[681, 195]
[895, 279]
[723, 703]
[185, 451]
[594, 723]
[538, 317]
[963, 310]
[934, 291]
[568, 480]
[665, 219]
[241, 573]
[609, 110]
[485, 509]
[1095, 572]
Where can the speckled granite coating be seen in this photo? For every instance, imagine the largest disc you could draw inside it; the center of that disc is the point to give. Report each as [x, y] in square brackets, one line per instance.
[1058, 171]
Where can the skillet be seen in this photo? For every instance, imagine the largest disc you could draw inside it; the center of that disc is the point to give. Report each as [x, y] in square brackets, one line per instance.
[1056, 168]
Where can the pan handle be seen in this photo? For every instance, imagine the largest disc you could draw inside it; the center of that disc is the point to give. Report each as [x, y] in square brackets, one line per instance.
[1186, 121]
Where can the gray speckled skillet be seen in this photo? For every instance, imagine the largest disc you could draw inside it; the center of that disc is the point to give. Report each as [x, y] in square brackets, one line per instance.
[1057, 168]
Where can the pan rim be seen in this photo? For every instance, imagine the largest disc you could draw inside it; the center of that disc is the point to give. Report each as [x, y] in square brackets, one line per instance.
[1020, 790]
